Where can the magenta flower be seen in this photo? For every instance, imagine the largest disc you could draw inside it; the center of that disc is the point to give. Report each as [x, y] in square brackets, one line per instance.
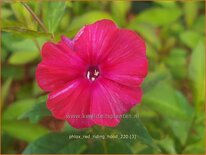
[94, 78]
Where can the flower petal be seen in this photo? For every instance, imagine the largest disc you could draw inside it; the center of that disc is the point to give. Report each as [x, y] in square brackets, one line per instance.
[59, 65]
[126, 60]
[72, 103]
[110, 100]
[91, 41]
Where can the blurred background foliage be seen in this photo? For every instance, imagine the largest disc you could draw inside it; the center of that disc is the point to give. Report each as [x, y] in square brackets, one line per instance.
[172, 109]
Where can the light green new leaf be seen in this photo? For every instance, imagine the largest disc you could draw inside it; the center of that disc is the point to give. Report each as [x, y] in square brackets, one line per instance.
[54, 143]
[21, 58]
[13, 111]
[119, 11]
[23, 130]
[52, 14]
[158, 16]
[197, 73]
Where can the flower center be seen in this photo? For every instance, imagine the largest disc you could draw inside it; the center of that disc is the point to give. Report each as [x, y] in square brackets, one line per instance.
[92, 73]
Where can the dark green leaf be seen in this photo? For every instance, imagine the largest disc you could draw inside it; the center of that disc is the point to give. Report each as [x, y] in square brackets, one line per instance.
[133, 126]
[55, 143]
[108, 146]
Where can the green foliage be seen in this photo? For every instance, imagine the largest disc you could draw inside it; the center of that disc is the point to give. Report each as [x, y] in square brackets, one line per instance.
[88, 18]
[188, 8]
[55, 143]
[23, 130]
[159, 16]
[52, 14]
[172, 108]
[5, 90]
[38, 111]
[119, 11]
[16, 109]
[197, 73]
[19, 58]
[25, 32]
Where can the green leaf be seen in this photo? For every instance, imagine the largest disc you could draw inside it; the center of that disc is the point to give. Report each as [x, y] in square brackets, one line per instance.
[190, 38]
[153, 78]
[190, 12]
[133, 126]
[26, 32]
[181, 128]
[168, 145]
[167, 102]
[52, 14]
[5, 90]
[55, 143]
[146, 31]
[19, 43]
[13, 72]
[88, 18]
[23, 130]
[158, 16]
[13, 111]
[23, 15]
[177, 63]
[108, 146]
[37, 111]
[197, 73]
[5, 13]
[119, 11]
[166, 3]
[21, 58]
[199, 24]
